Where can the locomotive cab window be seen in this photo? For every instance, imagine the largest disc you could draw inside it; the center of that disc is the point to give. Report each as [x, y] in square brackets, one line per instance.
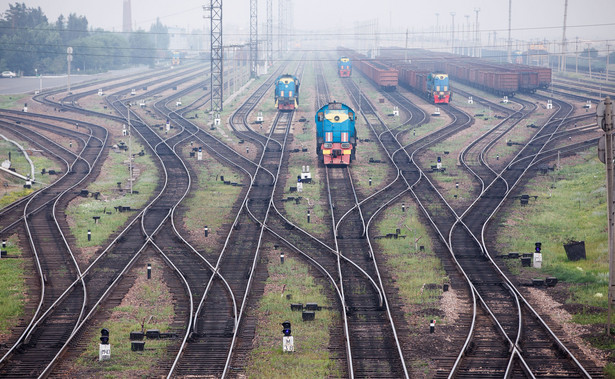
[335, 106]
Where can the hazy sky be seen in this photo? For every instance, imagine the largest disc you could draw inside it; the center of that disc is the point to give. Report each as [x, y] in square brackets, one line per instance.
[530, 18]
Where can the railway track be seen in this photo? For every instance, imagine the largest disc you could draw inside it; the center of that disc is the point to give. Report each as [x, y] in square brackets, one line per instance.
[460, 239]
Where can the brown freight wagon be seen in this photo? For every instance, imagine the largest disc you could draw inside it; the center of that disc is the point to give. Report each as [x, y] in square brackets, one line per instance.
[382, 75]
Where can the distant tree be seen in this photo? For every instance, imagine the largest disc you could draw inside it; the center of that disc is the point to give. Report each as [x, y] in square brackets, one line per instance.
[19, 17]
[590, 52]
[141, 48]
[100, 51]
[29, 49]
[61, 23]
[160, 34]
[76, 27]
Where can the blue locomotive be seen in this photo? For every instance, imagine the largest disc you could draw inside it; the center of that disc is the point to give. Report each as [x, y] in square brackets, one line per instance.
[336, 134]
[286, 92]
[344, 67]
[438, 88]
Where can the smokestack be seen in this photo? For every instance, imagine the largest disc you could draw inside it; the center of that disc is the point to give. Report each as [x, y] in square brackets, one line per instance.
[127, 19]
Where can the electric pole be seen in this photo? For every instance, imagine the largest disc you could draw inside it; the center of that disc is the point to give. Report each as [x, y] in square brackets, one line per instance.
[509, 31]
[453, 32]
[253, 38]
[217, 64]
[477, 37]
[604, 113]
[563, 61]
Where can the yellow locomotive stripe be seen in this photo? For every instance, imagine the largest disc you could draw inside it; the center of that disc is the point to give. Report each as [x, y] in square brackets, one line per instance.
[336, 116]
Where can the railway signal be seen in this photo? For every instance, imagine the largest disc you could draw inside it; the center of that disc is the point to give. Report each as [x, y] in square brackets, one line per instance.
[439, 163]
[287, 340]
[104, 349]
[537, 255]
[286, 329]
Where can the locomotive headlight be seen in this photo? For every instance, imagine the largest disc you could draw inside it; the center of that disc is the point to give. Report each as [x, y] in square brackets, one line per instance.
[336, 118]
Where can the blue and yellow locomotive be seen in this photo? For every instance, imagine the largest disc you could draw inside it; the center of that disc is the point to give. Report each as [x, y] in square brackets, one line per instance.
[438, 88]
[336, 135]
[286, 92]
[176, 60]
[344, 67]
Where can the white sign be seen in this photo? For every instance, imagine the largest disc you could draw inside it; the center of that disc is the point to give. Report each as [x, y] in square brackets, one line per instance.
[299, 187]
[104, 352]
[537, 260]
[288, 344]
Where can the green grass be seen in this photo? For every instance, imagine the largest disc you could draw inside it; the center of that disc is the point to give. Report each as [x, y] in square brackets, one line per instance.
[311, 358]
[12, 286]
[13, 101]
[403, 255]
[571, 205]
[212, 203]
[114, 170]
[152, 306]
[10, 197]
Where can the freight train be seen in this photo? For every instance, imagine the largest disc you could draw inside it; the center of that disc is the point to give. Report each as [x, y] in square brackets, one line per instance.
[434, 86]
[501, 79]
[286, 92]
[383, 75]
[344, 67]
[336, 134]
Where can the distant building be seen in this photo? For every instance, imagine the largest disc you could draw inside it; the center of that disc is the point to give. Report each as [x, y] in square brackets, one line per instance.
[127, 17]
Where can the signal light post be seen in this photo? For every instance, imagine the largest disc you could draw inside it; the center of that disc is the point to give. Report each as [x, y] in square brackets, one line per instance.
[537, 255]
[287, 341]
[104, 349]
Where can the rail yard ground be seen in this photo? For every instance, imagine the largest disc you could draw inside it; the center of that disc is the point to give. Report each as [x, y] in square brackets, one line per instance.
[569, 205]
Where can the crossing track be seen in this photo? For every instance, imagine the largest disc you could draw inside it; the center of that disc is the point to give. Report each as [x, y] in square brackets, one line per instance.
[492, 342]
[56, 264]
[218, 317]
[100, 277]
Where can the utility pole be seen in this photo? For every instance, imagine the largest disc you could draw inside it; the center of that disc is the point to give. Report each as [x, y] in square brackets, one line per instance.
[438, 26]
[282, 37]
[607, 60]
[253, 38]
[589, 57]
[466, 36]
[69, 58]
[453, 32]
[269, 32]
[130, 171]
[406, 51]
[563, 62]
[477, 37]
[604, 113]
[576, 59]
[509, 31]
[217, 63]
